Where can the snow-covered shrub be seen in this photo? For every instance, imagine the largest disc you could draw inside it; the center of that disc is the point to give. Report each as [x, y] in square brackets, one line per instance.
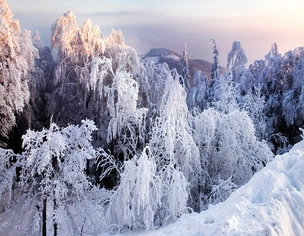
[289, 107]
[221, 191]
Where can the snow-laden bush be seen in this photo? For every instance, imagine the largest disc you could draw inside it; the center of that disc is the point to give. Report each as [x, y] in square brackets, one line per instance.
[221, 191]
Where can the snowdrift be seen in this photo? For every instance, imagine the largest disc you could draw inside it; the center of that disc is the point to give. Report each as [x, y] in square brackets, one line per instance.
[271, 203]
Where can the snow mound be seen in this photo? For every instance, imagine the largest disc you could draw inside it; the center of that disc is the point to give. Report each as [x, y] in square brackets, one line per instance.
[271, 203]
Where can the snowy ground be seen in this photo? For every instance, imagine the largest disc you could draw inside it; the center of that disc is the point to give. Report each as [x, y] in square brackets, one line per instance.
[271, 203]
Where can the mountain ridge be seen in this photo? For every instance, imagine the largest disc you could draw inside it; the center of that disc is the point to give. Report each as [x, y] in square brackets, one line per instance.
[173, 59]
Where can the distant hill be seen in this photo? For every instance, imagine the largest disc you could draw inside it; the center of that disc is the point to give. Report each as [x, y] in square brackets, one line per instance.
[173, 59]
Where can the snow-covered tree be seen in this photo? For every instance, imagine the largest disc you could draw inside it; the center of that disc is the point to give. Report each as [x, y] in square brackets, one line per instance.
[127, 125]
[53, 168]
[75, 45]
[8, 174]
[135, 202]
[37, 42]
[76, 48]
[215, 64]
[173, 146]
[124, 58]
[224, 93]
[270, 78]
[298, 86]
[254, 103]
[87, 64]
[41, 85]
[229, 151]
[152, 84]
[17, 55]
[236, 61]
[171, 139]
[236, 58]
[224, 90]
[185, 73]
[198, 95]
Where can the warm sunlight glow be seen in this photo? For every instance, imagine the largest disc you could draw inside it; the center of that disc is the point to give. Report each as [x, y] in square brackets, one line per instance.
[148, 24]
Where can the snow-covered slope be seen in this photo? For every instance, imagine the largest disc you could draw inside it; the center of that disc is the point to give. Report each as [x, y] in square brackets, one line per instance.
[271, 203]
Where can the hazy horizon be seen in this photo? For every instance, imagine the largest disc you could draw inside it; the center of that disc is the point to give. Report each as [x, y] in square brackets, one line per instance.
[170, 24]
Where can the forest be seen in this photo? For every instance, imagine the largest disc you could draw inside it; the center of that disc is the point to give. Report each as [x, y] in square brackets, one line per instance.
[94, 138]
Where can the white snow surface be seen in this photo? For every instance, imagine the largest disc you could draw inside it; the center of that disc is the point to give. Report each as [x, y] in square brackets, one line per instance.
[271, 203]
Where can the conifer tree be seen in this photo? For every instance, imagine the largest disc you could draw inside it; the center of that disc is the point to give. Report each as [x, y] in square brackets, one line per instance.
[215, 64]
[185, 75]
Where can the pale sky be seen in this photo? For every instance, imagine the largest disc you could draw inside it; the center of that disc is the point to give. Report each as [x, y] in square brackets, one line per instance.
[146, 24]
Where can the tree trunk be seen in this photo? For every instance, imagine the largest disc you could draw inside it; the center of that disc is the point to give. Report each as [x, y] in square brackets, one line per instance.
[44, 217]
[55, 224]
